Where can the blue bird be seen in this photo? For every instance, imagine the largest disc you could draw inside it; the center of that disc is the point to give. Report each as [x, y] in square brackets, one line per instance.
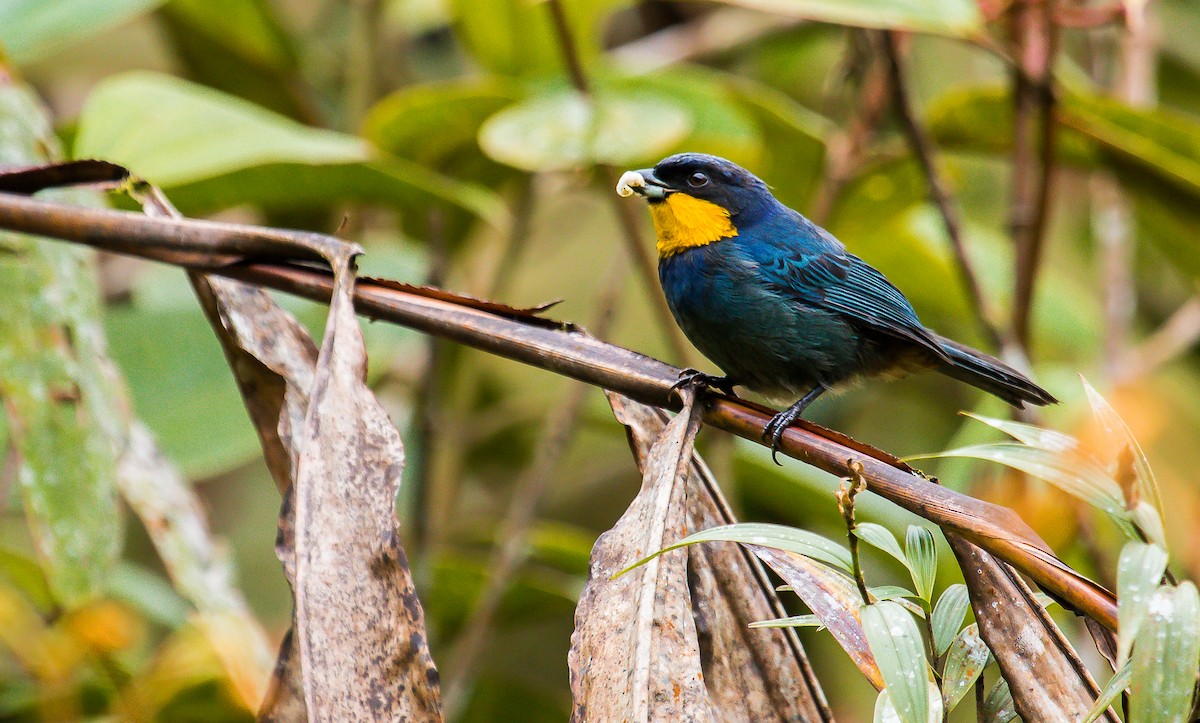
[779, 304]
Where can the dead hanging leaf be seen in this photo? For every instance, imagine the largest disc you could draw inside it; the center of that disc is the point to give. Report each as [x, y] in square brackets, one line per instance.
[634, 653]
[360, 628]
[751, 675]
[1045, 676]
[357, 648]
[832, 597]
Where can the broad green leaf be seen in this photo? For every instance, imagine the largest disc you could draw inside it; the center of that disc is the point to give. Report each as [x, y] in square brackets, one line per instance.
[246, 27]
[63, 403]
[776, 537]
[796, 621]
[564, 129]
[1075, 476]
[899, 651]
[998, 706]
[1116, 684]
[1166, 657]
[880, 537]
[948, 616]
[921, 553]
[1139, 573]
[965, 660]
[1121, 438]
[431, 122]
[1031, 434]
[944, 17]
[32, 29]
[885, 711]
[180, 135]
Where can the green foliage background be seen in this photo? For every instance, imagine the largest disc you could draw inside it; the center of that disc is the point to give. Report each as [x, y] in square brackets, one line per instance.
[446, 134]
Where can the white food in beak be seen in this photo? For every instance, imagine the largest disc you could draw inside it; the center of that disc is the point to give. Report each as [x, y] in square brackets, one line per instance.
[628, 182]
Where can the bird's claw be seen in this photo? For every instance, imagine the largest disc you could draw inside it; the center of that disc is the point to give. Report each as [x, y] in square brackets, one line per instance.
[697, 378]
[774, 430]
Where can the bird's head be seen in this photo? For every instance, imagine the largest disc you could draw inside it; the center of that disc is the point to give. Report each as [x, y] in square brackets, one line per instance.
[696, 199]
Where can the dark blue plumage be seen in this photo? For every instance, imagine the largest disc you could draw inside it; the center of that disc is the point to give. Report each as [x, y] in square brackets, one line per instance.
[780, 304]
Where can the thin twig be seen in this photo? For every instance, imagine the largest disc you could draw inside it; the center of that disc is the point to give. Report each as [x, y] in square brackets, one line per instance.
[1177, 335]
[938, 188]
[846, 492]
[1033, 157]
[630, 226]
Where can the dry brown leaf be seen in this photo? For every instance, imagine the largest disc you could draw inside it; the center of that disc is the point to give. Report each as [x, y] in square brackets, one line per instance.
[751, 674]
[634, 653]
[1045, 675]
[833, 598]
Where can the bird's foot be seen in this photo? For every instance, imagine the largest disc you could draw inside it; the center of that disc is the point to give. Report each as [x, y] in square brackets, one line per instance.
[697, 378]
[775, 428]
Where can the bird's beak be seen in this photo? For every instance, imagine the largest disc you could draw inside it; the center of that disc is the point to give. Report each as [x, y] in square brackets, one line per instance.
[644, 183]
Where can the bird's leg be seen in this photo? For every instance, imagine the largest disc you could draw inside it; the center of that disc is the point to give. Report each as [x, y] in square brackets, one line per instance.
[690, 377]
[775, 428]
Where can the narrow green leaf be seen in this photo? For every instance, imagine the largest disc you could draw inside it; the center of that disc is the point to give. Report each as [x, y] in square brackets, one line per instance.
[796, 621]
[1075, 476]
[1139, 573]
[1031, 434]
[885, 711]
[948, 616]
[890, 592]
[1166, 657]
[945, 17]
[564, 129]
[998, 706]
[880, 537]
[1117, 683]
[965, 660]
[921, 552]
[32, 29]
[776, 537]
[900, 653]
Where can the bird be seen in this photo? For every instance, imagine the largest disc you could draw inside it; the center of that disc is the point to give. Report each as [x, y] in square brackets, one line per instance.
[779, 304]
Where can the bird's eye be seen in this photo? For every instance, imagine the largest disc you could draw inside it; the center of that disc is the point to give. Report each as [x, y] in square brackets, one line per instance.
[697, 180]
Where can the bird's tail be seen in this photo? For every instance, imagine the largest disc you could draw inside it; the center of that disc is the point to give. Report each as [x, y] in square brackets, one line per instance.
[991, 375]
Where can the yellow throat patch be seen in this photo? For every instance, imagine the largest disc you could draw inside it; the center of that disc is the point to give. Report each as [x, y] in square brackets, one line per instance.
[682, 222]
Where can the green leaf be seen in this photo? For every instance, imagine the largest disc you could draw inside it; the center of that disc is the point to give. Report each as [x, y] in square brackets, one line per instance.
[246, 27]
[885, 711]
[177, 134]
[890, 592]
[515, 38]
[432, 122]
[965, 660]
[900, 653]
[880, 537]
[1074, 475]
[33, 29]
[796, 621]
[63, 403]
[1166, 656]
[1031, 434]
[944, 17]
[564, 129]
[776, 537]
[1117, 683]
[948, 616]
[998, 706]
[1139, 573]
[921, 553]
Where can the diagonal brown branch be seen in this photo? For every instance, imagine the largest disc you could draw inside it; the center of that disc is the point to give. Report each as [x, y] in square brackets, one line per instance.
[521, 336]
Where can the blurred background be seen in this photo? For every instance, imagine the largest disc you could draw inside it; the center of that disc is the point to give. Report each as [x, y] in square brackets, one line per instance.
[448, 137]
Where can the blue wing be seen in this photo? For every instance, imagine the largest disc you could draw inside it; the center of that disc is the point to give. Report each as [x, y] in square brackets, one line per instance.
[818, 271]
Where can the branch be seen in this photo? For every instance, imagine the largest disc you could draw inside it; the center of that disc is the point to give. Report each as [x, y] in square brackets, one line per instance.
[1032, 169]
[938, 190]
[520, 335]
